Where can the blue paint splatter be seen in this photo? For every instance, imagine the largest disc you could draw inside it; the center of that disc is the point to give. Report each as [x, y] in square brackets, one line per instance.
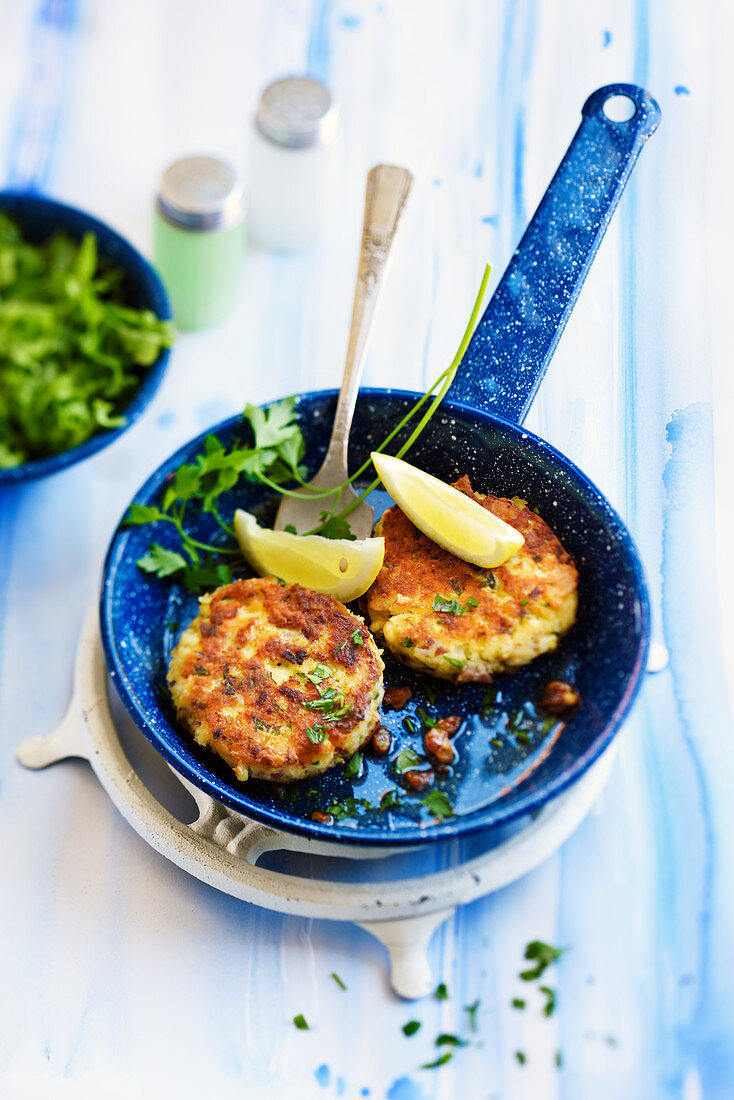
[322, 1075]
[606, 39]
[680, 89]
[437, 182]
[340, 1086]
[42, 97]
[405, 1089]
[365, 1091]
[491, 219]
[166, 419]
[351, 22]
[211, 412]
[318, 58]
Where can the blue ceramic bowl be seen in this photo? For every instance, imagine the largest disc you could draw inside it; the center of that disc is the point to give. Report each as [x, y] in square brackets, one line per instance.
[39, 218]
[497, 777]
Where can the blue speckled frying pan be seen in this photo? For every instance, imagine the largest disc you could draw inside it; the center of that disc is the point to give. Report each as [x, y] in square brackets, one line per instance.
[509, 761]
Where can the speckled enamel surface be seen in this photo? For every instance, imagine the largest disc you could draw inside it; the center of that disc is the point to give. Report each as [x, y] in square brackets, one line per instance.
[603, 654]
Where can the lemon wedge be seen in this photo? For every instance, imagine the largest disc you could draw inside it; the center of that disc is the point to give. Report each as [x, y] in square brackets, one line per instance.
[340, 567]
[449, 517]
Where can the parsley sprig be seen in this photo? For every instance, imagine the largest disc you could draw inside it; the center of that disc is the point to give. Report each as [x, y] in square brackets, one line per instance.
[274, 461]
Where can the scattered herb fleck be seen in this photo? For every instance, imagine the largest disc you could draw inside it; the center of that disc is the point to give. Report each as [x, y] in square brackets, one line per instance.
[316, 734]
[472, 1010]
[447, 1040]
[341, 647]
[427, 719]
[357, 637]
[472, 601]
[389, 801]
[550, 1003]
[496, 743]
[406, 760]
[338, 981]
[447, 607]
[407, 643]
[353, 766]
[410, 725]
[559, 1059]
[201, 671]
[437, 804]
[444, 1058]
[542, 954]
[455, 662]
[300, 1022]
[411, 1027]
[441, 993]
[520, 1057]
[490, 581]
[518, 1002]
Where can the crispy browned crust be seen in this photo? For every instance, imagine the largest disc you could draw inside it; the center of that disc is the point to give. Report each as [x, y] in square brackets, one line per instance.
[234, 677]
[539, 580]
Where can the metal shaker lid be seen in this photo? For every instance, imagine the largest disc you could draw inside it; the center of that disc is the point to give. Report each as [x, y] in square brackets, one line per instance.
[201, 193]
[297, 112]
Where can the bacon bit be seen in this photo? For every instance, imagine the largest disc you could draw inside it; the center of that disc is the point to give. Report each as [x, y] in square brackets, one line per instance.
[418, 781]
[396, 698]
[559, 697]
[436, 740]
[322, 818]
[381, 741]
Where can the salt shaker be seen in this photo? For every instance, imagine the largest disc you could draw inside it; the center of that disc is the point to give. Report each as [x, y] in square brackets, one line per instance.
[292, 164]
[199, 239]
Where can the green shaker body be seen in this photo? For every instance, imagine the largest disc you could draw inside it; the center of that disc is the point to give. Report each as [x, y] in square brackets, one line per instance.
[201, 269]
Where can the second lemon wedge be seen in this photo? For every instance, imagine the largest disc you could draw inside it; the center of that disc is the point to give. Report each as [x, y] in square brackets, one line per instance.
[340, 567]
[452, 519]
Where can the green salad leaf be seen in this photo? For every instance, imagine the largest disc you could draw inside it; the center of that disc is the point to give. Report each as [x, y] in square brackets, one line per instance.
[71, 352]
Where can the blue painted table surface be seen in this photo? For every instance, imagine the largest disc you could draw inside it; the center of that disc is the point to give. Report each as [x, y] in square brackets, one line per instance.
[121, 975]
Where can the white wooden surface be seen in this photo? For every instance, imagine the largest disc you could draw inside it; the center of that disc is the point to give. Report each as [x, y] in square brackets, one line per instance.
[121, 975]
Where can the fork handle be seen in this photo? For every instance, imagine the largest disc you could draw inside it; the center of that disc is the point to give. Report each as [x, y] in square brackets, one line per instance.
[388, 188]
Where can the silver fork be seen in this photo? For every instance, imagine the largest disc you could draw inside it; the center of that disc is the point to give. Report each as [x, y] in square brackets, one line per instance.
[387, 191]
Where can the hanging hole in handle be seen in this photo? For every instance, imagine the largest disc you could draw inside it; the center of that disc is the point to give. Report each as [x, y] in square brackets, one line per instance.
[619, 108]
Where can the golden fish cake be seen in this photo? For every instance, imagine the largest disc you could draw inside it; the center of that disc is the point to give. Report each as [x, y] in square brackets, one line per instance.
[461, 622]
[279, 681]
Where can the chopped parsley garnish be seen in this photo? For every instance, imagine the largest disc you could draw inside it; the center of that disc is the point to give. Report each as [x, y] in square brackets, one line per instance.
[441, 992]
[490, 581]
[447, 607]
[455, 662]
[300, 1022]
[426, 718]
[273, 458]
[472, 601]
[523, 602]
[407, 643]
[341, 647]
[389, 800]
[316, 734]
[439, 1061]
[487, 705]
[447, 1040]
[348, 807]
[437, 804]
[259, 724]
[496, 743]
[472, 1012]
[406, 760]
[559, 1059]
[520, 1057]
[335, 527]
[353, 766]
[319, 673]
[201, 671]
[357, 637]
[410, 725]
[411, 1027]
[542, 954]
[550, 1003]
[331, 703]
[338, 981]
[518, 1002]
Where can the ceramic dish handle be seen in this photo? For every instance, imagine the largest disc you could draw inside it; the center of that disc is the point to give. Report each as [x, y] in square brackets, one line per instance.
[515, 339]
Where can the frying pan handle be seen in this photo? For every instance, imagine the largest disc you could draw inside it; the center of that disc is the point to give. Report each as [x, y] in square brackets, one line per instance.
[518, 333]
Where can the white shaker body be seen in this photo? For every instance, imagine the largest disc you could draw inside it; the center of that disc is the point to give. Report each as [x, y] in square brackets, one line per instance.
[290, 193]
